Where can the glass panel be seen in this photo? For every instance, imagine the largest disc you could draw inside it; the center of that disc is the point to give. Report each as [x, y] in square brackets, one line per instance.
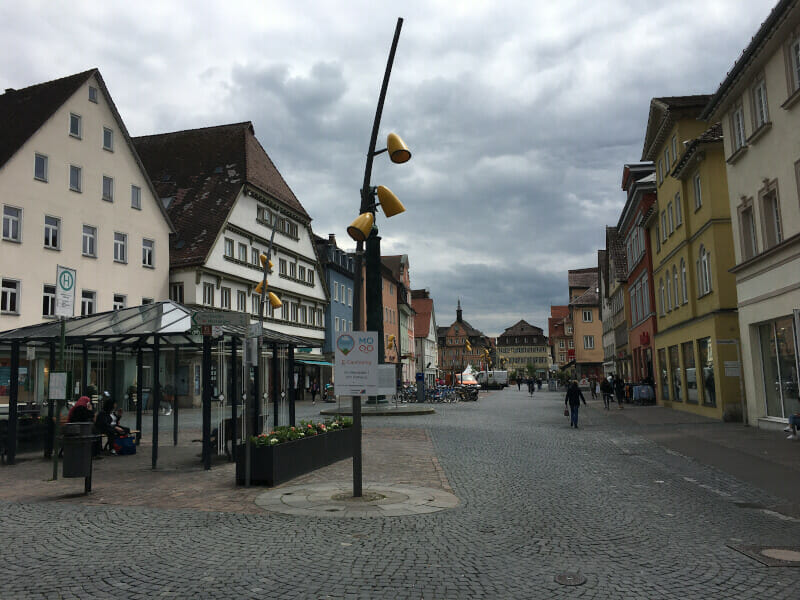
[784, 335]
[691, 372]
[675, 368]
[706, 363]
[769, 361]
[662, 365]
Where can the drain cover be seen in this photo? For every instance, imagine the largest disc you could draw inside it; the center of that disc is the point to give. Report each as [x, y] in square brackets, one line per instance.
[771, 556]
[570, 579]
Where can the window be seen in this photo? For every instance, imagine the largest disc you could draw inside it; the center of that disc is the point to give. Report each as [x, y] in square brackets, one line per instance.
[660, 171]
[301, 273]
[75, 176]
[747, 227]
[645, 296]
[587, 316]
[698, 192]
[569, 329]
[48, 300]
[225, 297]
[119, 301]
[669, 293]
[349, 296]
[571, 344]
[241, 301]
[675, 369]
[678, 213]
[667, 161]
[75, 128]
[208, 294]
[282, 266]
[89, 241]
[92, 94]
[136, 197]
[670, 218]
[12, 224]
[588, 342]
[294, 312]
[148, 250]
[662, 300]
[704, 271]
[336, 290]
[658, 238]
[675, 147]
[88, 302]
[147, 301]
[560, 343]
[108, 139]
[706, 364]
[243, 252]
[760, 109]
[120, 247]
[40, 167]
[229, 247]
[794, 51]
[176, 292]
[9, 296]
[664, 225]
[675, 285]
[683, 282]
[293, 270]
[303, 314]
[771, 215]
[108, 188]
[737, 124]
[254, 253]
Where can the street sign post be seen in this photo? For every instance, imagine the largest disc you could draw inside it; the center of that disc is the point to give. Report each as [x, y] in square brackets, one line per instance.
[65, 291]
[356, 366]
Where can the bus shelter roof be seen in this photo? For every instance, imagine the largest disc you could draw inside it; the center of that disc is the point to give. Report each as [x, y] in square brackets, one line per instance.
[138, 326]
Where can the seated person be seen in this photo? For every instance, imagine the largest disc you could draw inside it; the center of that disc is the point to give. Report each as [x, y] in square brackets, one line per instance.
[81, 412]
[116, 417]
[104, 425]
[794, 421]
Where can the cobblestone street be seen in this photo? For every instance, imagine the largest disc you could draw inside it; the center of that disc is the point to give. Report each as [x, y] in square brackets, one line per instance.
[536, 499]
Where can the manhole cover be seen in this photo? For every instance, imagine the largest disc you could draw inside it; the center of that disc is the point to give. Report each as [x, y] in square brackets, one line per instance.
[570, 579]
[771, 556]
[782, 554]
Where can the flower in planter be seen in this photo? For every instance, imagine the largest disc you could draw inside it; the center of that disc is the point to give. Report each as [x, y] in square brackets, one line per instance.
[273, 440]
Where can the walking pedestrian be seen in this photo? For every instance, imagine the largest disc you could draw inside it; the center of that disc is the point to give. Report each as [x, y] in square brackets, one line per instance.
[314, 391]
[573, 399]
[593, 387]
[619, 390]
[519, 384]
[608, 392]
[530, 386]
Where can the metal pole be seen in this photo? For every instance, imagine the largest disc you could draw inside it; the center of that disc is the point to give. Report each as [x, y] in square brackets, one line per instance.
[48, 450]
[292, 390]
[62, 343]
[255, 409]
[139, 392]
[156, 393]
[275, 380]
[11, 451]
[275, 397]
[234, 396]
[175, 399]
[85, 370]
[206, 402]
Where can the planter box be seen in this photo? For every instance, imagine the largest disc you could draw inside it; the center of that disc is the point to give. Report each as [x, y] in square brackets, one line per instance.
[271, 465]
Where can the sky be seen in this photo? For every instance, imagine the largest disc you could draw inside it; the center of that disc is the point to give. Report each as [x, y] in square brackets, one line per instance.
[520, 115]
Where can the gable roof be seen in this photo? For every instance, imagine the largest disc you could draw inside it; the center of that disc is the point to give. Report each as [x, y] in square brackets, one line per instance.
[522, 327]
[663, 113]
[712, 135]
[589, 298]
[615, 246]
[582, 278]
[23, 112]
[422, 319]
[204, 170]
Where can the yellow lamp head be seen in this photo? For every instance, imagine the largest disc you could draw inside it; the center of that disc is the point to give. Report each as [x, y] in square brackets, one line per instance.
[274, 301]
[259, 288]
[391, 341]
[468, 346]
[398, 151]
[389, 203]
[263, 259]
[360, 229]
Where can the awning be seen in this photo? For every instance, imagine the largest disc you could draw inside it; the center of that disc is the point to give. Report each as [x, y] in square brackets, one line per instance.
[321, 363]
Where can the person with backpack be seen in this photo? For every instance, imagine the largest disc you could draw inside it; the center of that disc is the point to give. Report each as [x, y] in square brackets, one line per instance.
[573, 400]
[608, 392]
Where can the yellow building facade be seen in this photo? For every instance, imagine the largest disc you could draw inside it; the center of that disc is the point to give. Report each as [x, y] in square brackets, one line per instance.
[697, 341]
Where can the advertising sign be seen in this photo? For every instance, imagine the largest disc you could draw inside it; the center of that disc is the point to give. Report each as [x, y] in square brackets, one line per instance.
[356, 367]
[387, 380]
[65, 291]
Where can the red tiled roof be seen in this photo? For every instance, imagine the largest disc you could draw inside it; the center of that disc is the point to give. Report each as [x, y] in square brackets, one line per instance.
[24, 111]
[422, 320]
[204, 171]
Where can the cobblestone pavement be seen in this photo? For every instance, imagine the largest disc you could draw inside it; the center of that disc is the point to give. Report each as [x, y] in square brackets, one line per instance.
[536, 499]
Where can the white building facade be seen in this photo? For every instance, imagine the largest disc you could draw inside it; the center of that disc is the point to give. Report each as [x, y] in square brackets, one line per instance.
[758, 105]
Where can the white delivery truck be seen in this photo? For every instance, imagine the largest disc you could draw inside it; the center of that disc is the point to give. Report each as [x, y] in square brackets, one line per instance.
[493, 379]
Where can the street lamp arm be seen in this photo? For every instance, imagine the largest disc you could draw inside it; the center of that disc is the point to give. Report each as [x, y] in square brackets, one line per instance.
[365, 193]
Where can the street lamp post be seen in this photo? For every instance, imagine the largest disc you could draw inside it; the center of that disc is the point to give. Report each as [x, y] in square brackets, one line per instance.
[363, 231]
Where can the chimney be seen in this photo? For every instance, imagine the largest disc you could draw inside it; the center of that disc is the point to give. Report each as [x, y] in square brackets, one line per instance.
[332, 238]
[9, 90]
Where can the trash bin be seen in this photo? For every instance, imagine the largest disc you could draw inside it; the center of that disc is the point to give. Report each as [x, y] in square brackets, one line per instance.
[78, 440]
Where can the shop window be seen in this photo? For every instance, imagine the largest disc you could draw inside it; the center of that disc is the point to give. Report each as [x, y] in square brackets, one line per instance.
[691, 372]
[663, 376]
[779, 367]
[675, 371]
[706, 364]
